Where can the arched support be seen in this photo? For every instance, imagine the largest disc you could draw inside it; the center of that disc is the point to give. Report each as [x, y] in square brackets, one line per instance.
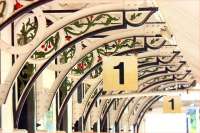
[138, 115]
[52, 29]
[181, 64]
[106, 41]
[124, 108]
[63, 74]
[21, 12]
[143, 111]
[149, 79]
[27, 89]
[25, 93]
[176, 81]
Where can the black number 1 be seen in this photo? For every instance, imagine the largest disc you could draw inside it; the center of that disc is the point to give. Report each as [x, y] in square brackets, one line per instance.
[121, 72]
[172, 103]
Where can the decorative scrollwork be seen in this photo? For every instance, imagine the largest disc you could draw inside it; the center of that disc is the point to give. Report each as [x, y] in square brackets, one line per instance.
[67, 55]
[146, 60]
[113, 48]
[138, 18]
[155, 42]
[150, 70]
[135, 15]
[162, 79]
[117, 45]
[81, 26]
[27, 32]
[48, 46]
[96, 72]
[65, 87]
[84, 64]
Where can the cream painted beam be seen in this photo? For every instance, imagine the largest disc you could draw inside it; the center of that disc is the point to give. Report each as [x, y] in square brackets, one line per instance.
[150, 94]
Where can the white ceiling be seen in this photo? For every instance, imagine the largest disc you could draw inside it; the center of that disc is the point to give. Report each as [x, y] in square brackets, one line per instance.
[183, 17]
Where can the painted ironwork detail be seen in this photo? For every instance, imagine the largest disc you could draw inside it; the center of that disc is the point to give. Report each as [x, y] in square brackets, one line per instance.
[27, 32]
[49, 45]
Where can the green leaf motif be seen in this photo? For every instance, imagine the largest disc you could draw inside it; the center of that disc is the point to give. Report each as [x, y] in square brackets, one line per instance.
[84, 26]
[84, 64]
[135, 15]
[65, 87]
[53, 40]
[77, 24]
[27, 32]
[154, 40]
[24, 76]
[39, 54]
[67, 54]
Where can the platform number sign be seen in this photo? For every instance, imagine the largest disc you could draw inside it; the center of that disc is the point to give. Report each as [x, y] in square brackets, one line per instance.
[120, 73]
[171, 104]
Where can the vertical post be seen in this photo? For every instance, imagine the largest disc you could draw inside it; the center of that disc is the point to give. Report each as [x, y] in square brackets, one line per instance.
[6, 63]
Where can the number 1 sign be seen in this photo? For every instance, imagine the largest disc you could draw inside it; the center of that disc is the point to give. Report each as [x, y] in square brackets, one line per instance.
[120, 73]
[171, 104]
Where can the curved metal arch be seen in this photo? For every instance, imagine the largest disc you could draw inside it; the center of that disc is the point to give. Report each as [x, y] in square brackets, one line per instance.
[38, 3]
[158, 59]
[144, 105]
[21, 50]
[106, 111]
[67, 98]
[90, 107]
[29, 85]
[120, 106]
[154, 63]
[121, 113]
[59, 80]
[135, 103]
[168, 84]
[113, 100]
[108, 107]
[25, 92]
[117, 121]
[152, 11]
[80, 81]
[52, 29]
[166, 70]
[123, 109]
[22, 11]
[15, 70]
[144, 109]
[173, 78]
